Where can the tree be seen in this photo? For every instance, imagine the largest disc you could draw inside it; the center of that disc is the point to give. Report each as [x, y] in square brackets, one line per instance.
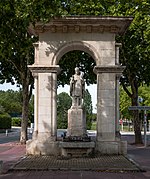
[16, 51]
[135, 52]
[63, 104]
[125, 102]
[11, 101]
[87, 103]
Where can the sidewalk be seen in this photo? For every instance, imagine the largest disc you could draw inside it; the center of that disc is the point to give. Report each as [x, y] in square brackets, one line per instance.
[10, 153]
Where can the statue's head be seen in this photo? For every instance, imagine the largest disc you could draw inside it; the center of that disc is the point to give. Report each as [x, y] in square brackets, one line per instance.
[77, 71]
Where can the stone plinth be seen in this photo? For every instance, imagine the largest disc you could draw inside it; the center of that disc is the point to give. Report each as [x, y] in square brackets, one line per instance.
[111, 147]
[76, 149]
[42, 147]
[76, 122]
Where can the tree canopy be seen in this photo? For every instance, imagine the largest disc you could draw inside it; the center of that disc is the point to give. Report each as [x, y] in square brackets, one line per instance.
[63, 104]
[11, 102]
[73, 59]
[16, 50]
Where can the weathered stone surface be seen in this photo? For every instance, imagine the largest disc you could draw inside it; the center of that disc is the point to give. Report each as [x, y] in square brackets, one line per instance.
[95, 36]
[36, 147]
[76, 122]
[111, 147]
[76, 149]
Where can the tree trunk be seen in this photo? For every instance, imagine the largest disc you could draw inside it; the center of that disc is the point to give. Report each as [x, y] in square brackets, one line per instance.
[136, 122]
[25, 108]
[134, 99]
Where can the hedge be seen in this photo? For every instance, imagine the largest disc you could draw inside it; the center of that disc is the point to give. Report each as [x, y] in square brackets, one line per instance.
[5, 121]
[16, 121]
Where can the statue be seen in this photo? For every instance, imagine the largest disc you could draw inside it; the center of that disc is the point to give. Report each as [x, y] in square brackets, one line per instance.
[77, 88]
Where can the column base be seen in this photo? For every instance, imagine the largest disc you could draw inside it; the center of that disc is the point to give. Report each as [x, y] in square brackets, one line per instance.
[42, 143]
[111, 147]
[36, 147]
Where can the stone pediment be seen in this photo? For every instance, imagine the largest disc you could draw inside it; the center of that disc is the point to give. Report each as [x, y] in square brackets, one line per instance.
[86, 24]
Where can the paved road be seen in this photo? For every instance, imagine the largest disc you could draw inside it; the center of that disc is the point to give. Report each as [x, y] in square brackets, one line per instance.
[8, 139]
[12, 136]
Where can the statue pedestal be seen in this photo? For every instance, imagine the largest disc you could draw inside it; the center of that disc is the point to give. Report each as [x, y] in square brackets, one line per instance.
[76, 122]
[76, 149]
[76, 143]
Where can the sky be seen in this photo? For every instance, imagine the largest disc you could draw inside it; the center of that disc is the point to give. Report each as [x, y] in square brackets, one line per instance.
[92, 90]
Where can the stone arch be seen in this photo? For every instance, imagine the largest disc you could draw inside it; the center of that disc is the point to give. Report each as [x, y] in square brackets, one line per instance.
[75, 45]
[95, 36]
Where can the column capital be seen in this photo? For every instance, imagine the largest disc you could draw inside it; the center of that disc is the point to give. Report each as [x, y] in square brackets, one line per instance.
[44, 69]
[109, 69]
[35, 75]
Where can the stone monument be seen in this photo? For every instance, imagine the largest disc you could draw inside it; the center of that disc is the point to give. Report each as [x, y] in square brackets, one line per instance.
[76, 142]
[94, 35]
[76, 115]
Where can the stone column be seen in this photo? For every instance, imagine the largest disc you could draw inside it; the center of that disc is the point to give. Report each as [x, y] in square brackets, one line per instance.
[46, 106]
[106, 109]
[35, 75]
[35, 106]
[117, 106]
[117, 46]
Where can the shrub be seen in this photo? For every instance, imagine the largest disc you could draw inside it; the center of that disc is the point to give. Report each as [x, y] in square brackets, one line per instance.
[16, 121]
[88, 121]
[5, 121]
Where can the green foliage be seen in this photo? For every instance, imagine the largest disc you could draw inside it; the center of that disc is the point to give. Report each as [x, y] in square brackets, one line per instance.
[63, 104]
[144, 93]
[93, 126]
[88, 121]
[11, 101]
[73, 59]
[125, 101]
[135, 52]
[16, 121]
[5, 121]
[87, 103]
[16, 50]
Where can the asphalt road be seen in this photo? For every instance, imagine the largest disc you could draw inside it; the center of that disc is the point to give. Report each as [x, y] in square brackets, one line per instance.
[12, 136]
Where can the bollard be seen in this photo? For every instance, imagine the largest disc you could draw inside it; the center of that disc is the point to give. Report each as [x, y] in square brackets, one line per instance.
[1, 166]
[6, 132]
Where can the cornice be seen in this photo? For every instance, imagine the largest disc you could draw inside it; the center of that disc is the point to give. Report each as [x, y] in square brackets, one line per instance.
[86, 24]
[44, 69]
[109, 69]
